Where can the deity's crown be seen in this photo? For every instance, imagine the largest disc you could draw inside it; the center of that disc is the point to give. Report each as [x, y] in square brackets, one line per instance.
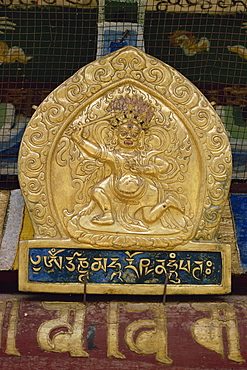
[131, 109]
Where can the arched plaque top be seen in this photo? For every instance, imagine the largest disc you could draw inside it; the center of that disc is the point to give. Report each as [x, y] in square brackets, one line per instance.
[126, 153]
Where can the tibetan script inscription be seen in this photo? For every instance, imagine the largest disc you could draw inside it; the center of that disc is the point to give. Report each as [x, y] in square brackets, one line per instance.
[61, 265]
[125, 158]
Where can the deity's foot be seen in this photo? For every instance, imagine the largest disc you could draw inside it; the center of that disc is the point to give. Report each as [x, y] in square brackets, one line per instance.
[105, 219]
[174, 203]
[88, 209]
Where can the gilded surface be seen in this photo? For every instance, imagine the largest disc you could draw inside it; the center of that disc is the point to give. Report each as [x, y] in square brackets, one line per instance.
[129, 173]
[209, 331]
[147, 341]
[227, 234]
[10, 346]
[71, 341]
[149, 333]
[125, 153]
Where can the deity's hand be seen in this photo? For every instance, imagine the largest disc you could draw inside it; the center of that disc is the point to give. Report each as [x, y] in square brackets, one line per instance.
[144, 170]
[135, 167]
[77, 133]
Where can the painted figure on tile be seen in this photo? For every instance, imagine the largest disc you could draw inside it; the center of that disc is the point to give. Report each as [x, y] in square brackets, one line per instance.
[12, 55]
[189, 43]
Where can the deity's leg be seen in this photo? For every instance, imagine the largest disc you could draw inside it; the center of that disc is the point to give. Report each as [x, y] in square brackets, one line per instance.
[152, 214]
[100, 197]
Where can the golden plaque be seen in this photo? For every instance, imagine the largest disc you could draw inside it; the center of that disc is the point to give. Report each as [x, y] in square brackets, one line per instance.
[125, 169]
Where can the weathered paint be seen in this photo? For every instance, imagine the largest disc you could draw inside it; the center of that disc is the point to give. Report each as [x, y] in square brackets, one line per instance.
[12, 230]
[191, 334]
[239, 208]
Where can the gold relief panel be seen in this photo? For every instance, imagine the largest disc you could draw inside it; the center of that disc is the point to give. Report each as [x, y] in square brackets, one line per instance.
[127, 154]
[126, 174]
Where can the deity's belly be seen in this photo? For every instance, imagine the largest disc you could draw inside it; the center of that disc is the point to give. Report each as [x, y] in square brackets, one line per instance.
[129, 185]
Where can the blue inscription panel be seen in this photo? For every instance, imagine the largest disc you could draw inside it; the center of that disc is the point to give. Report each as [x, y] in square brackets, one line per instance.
[61, 265]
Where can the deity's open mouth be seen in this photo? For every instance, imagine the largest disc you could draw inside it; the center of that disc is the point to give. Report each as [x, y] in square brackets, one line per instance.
[128, 142]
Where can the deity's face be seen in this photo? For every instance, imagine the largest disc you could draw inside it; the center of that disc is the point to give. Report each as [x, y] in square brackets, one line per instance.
[128, 135]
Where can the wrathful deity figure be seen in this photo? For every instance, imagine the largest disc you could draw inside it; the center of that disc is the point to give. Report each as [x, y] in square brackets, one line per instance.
[128, 191]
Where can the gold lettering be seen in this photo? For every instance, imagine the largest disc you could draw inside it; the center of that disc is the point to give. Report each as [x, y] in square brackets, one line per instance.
[35, 263]
[112, 331]
[149, 341]
[208, 331]
[115, 264]
[71, 266]
[130, 260]
[198, 268]
[64, 341]
[143, 265]
[12, 327]
[83, 264]
[53, 258]
[96, 266]
[185, 267]
[160, 269]
[173, 275]
[209, 265]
